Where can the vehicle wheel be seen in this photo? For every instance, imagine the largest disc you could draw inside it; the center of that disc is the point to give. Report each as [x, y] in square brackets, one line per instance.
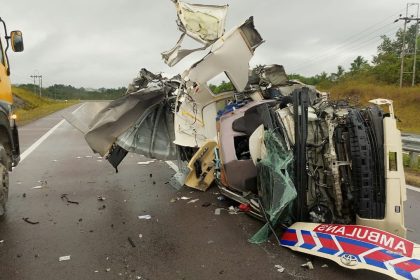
[4, 181]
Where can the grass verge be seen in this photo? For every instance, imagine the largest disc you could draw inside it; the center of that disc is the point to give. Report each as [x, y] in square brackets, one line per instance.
[30, 107]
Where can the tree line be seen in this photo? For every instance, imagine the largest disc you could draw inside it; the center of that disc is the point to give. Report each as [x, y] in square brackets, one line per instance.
[384, 68]
[67, 92]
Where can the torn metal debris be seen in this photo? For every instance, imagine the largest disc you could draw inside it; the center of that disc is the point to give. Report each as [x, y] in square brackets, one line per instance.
[319, 169]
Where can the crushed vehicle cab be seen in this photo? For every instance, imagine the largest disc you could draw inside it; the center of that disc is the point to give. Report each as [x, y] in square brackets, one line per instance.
[325, 172]
[9, 139]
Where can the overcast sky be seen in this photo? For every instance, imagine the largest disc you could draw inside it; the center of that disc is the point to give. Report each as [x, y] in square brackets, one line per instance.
[103, 43]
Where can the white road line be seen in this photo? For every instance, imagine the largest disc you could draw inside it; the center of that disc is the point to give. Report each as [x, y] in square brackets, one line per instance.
[172, 165]
[416, 189]
[38, 142]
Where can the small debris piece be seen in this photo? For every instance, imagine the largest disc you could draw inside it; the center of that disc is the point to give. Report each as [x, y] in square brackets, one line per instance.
[185, 198]
[102, 207]
[210, 242]
[101, 198]
[206, 204]
[151, 175]
[96, 271]
[64, 258]
[88, 156]
[221, 198]
[173, 200]
[145, 217]
[217, 211]
[1, 241]
[131, 242]
[18, 255]
[140, 235]
[29, 221]
[279, 268]
[65, 198]
[36, 255]
[233, 210]
[24, 195]
[193, 201]
[145, 162]
[108, 270]
[324, 265]
[38, 187]
[244, 207]
[309, 265]
[154, 183]
[80, 220]
[78, 157]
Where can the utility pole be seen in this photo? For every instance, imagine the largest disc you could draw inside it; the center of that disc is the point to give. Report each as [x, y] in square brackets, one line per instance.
[413, 82]
[39, 77]
[407, 19]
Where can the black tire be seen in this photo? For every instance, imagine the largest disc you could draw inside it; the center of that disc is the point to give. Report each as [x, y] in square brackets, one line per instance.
[4, 181]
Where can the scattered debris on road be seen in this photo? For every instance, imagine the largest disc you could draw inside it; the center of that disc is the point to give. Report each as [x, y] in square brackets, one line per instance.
[64, 258]
[279, 268]
[308, 265]
[102, 207]
[38, 187]
[145, 162]
[193, 200]
[145, 217]
[66, 199]
[131, 242]
[101, 198]
[29, 221]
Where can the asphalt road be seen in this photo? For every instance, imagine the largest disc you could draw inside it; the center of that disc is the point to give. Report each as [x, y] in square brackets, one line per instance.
[181, 240]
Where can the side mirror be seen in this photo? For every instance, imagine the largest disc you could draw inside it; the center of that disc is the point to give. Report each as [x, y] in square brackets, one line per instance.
[17, 41]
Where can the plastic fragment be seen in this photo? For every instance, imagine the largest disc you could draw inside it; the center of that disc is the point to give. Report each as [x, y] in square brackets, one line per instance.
[193, 201]
[244, 207]
[38, 187]
[185, 198]
[108, 270]
[324, 265]
[101, 198]
[145, 162]
[145, 217]
[279, 268]
[309, 265]
[221, 198]
[217, 211]
[64, 258]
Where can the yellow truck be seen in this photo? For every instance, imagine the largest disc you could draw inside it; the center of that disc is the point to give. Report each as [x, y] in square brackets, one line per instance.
[9, 138]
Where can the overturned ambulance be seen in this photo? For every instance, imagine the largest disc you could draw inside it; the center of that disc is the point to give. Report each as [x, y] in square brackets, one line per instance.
[326, 174]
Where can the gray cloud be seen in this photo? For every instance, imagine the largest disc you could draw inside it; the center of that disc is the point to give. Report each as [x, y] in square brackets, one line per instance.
[102, 43]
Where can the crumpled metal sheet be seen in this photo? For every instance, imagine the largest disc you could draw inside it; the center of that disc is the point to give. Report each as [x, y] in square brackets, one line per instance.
[203, 23]
[119, 116]
[153, 134]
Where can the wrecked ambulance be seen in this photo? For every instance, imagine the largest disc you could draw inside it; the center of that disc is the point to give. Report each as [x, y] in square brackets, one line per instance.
[327, 174]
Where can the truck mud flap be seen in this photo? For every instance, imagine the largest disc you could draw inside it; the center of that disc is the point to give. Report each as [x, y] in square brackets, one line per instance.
[356, 247]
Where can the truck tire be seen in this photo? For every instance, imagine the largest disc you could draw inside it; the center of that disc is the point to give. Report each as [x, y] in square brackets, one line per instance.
[4, 181]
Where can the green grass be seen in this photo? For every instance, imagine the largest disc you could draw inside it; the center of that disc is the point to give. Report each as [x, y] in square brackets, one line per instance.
[412, 175]
[30, 107]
